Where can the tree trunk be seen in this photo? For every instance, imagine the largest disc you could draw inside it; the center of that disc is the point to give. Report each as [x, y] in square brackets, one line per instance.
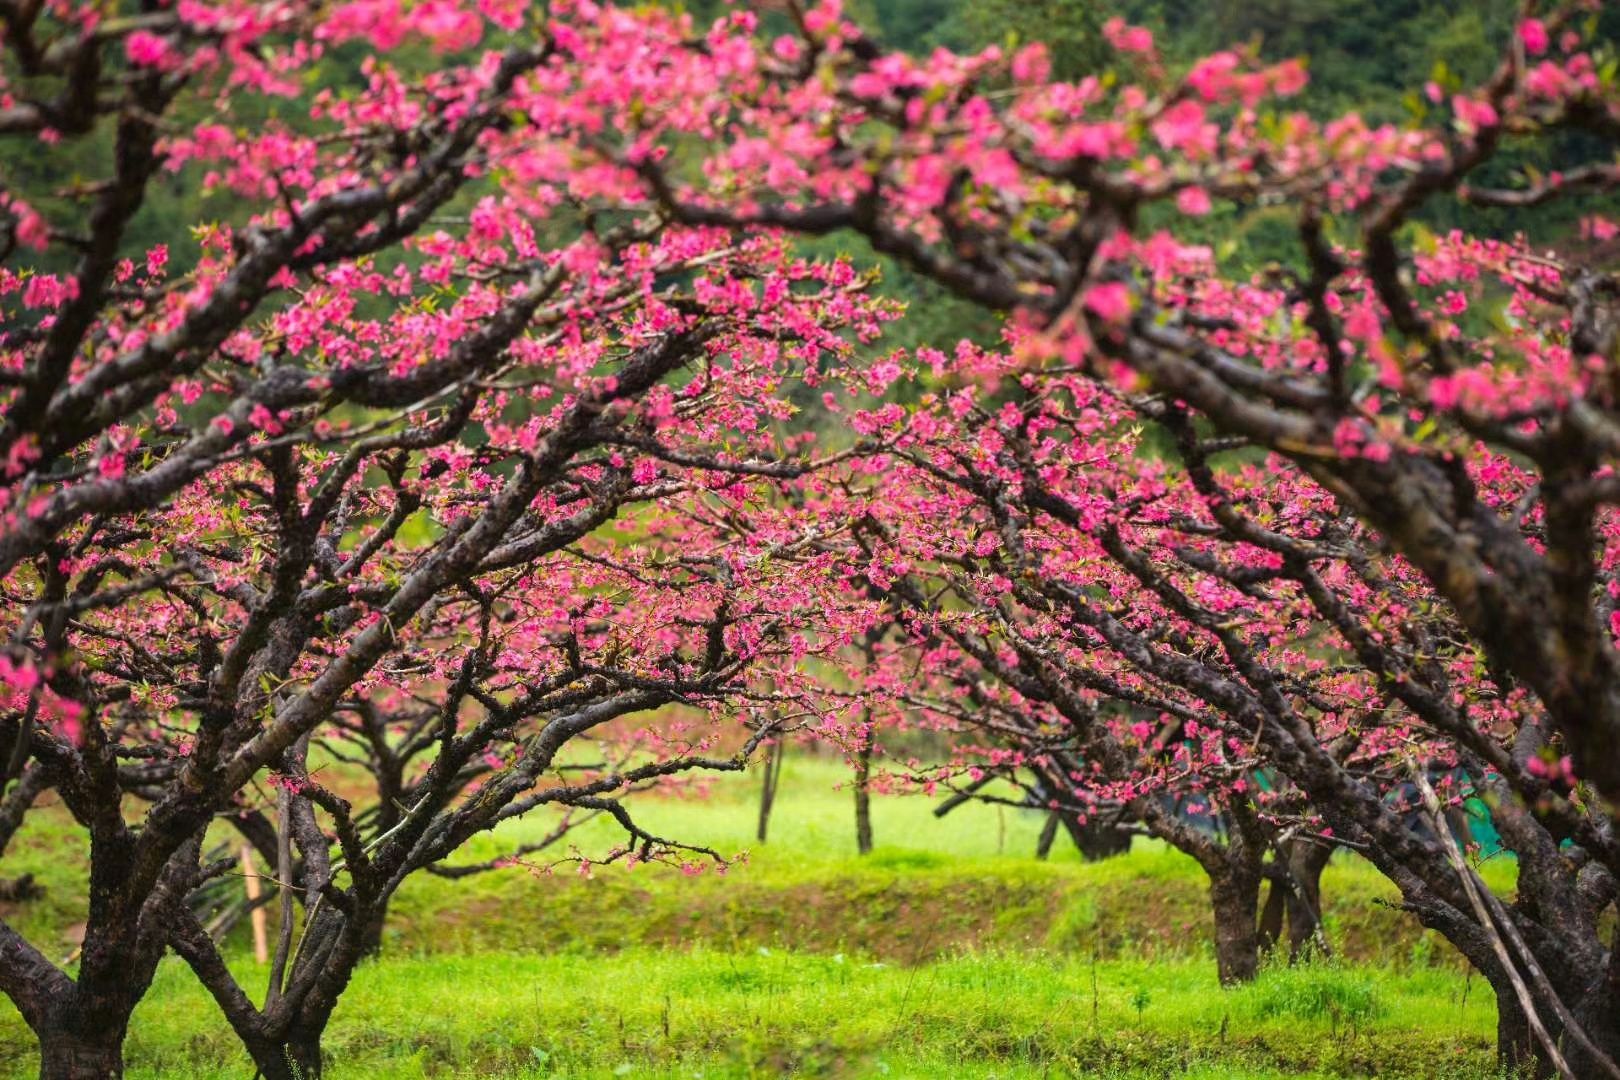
[767, 793]
[371, 937]
[82, 1050]
[1096, 840]
[1516, 1051]
[1235, 899]
[863, 797]
[1519, 1052]
[301, 1042]
[1305, 865]
[298, 1057]
[1043, 845]
[81, 1026]
[1271, 916]
[304, 1054]
[269, 1057]
[291, 1049]
[1598, 1014]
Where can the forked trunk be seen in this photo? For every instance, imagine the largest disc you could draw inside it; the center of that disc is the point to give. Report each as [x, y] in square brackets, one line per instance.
[81, 1026]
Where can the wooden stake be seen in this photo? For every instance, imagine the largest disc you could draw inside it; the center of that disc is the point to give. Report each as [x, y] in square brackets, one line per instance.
[261, 950]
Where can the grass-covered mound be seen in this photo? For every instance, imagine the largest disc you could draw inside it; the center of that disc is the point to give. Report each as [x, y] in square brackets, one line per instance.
[948, 952]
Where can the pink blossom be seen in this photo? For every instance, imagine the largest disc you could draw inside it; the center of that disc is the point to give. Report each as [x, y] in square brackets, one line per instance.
[262, 418]
[1193, 201]
[1533, 33]
[1289, 78]
[1110, 301]
[1473, 113]
[1184, 127]
[146, 49]
[1128, 39]
[49, 291]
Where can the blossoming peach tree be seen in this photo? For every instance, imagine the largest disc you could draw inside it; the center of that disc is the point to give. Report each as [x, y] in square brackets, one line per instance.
[338, 469]
[348, 518]
[1145, 630]
[1374, 531]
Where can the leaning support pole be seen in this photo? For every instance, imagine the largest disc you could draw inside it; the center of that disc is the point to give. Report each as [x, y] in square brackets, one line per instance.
[250, 876]
[1494, 921]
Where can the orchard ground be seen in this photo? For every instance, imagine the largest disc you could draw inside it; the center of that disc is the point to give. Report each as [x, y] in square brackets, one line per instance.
[950, 951]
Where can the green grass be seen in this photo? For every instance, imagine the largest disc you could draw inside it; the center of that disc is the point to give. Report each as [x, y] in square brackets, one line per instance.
[949, 951]
[766, 1013]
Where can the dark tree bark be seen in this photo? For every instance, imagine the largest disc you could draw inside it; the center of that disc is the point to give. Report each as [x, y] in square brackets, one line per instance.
[82, 1049]
[284, 1040]
[1273, 914]
[1043, 845]
[1516, 1050]
[1306, 861]
[305, 1056]
[767, 793]
[371, 938]
[80, 1024]
[1095, 836]
[1096, 839]
[1295, 897]
[1235, 900]
[1598, 1014]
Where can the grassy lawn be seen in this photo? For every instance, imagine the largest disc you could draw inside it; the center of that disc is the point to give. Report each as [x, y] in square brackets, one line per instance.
[949, 952]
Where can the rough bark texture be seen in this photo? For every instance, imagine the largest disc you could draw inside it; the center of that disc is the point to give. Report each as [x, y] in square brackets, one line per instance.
[65, 1055]
[1598, 1014]
[1515, 1046]
[371, 939]
[83, 1041]
[1235, 900]
[304, 1055]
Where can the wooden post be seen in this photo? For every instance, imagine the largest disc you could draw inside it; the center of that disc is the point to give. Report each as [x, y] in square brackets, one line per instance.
[261, 950]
